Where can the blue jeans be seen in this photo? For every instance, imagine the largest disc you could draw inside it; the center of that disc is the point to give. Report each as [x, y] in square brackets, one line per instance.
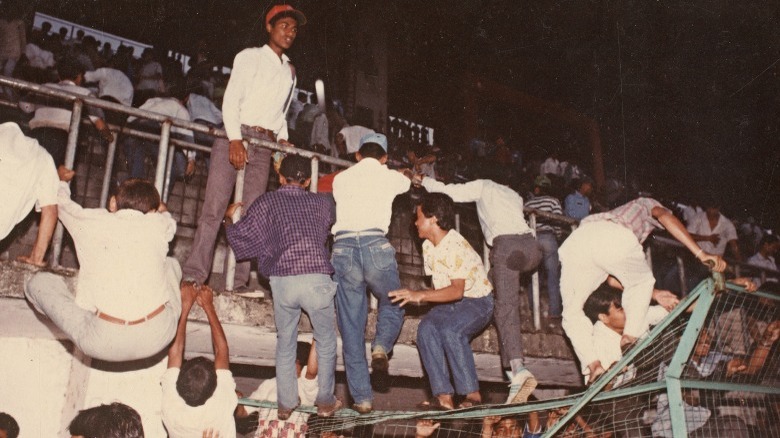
[312, 293]
[363, 262]
[443, 340]
[552, 266]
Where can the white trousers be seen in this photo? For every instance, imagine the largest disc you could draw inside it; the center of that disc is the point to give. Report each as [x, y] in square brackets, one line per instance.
[592, 252]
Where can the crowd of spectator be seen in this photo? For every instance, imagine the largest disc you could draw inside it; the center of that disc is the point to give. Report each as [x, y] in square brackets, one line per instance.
[602, 300]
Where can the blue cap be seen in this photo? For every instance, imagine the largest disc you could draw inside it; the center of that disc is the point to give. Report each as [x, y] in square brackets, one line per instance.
[374, 137]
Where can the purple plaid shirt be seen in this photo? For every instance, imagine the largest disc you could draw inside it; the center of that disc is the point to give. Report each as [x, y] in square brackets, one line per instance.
[285, 231]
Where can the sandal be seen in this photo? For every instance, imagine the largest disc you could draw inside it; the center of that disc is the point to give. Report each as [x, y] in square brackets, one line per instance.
[432, 404]
[469, 403]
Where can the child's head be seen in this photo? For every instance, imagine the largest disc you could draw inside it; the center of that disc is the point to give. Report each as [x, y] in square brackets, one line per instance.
[508, 427]
[135, 194]
[107, 421]
[604, 305]
[197, 381]
[295, 169]
[9, 428]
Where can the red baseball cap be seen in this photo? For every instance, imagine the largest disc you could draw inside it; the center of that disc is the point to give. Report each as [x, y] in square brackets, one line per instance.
[278, 9]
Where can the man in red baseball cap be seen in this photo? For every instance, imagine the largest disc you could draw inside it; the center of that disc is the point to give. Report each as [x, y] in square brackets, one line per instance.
[256, 100]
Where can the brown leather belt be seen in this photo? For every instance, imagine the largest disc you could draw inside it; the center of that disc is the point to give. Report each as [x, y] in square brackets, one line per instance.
[261, 130]
[120, 321]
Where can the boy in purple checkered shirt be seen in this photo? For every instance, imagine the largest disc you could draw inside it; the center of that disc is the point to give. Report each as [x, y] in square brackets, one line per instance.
[286, 231]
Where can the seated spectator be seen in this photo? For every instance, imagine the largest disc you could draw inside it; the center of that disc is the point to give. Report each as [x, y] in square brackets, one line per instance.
[51, 124]
[764, 257]
[127, 301]
[9, 428]
[107, 421]
[577, 204]
[199, 395]
[138, 149]
[268, 423]
[28, 178]
[462, 305]
[706, 363]
[202, 110]
[150, 76]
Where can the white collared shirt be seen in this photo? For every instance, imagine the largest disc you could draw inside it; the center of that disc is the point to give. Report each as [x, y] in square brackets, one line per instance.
[27, 175]
[364, 196]
[724, 228]
[499, 208]
[113, 83]
[121, 257]
[258, 92]
[171, 107]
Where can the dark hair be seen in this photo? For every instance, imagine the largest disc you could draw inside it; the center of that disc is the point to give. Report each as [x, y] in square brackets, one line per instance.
[440, 206]
[177, 90]
[768, 239]
[295, 168]
[302, 352]
[68, 68]
[108, 421]
[582, 181]
[137, 194]
[372, 150]
[600, 300]
[9, 425]
[283, 14]
[197, 381]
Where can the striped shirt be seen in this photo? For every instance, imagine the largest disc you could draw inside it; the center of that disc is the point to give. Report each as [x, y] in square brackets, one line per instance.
[636, 216]
[547, 204]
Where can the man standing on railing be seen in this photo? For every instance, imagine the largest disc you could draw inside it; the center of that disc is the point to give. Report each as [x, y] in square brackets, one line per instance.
[610, 245]
[256, 99]
[513, 251]
[364, 258]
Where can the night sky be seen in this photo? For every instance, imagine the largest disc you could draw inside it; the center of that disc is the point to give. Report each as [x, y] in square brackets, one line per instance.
[686, 94]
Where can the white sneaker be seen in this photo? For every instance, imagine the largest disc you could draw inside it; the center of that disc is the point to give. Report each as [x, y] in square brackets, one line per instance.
[523, 384]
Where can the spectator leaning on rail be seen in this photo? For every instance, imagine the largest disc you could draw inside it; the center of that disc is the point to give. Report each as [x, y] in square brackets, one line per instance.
[764, 257]
[256, 99]
[364, 258]
[610, 244]
[127, 300]
[462, 305]
[28, 178]
[577, 204]
[51, 124]
[286, 232]
[513, 251]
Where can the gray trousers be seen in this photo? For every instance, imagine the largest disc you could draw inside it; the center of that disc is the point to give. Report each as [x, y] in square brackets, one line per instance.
[99, 338]
[510, 257]
[219, 191]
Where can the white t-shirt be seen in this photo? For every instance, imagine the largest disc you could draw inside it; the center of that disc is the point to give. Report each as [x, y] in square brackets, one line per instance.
[27, 175]
[725, 229]
[364, 196]
[765, 262]
[185, 421]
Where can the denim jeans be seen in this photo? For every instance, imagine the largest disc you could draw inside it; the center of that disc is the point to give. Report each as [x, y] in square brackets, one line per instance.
[510, 257]
[363, 262]
[312, 293]
[552, 266]
[443, 340]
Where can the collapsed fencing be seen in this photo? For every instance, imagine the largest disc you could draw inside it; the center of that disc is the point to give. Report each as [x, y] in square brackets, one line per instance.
[709, 369]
